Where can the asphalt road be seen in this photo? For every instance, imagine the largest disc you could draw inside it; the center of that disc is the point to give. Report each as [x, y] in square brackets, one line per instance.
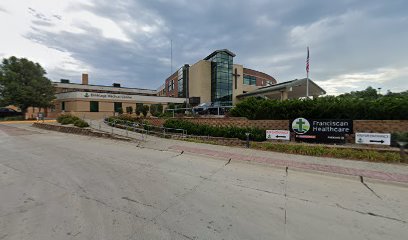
[62, 186]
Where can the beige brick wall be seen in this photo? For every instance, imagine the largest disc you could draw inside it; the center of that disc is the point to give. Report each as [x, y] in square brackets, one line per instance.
[200, 81]
[380, 126]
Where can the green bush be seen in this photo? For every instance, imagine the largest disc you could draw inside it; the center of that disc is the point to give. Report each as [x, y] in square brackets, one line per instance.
[156, 109]
[139, 108]
[129, 110]
[145, 110]
[398, 137]
[206, 130]
[81, 123]
[381, 108]
[67, 119]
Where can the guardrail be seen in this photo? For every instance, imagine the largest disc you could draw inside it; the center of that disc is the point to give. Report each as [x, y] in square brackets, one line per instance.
[144, 128]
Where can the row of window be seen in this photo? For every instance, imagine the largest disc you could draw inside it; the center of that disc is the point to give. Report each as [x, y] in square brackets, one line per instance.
[94, 106]
[249, 80]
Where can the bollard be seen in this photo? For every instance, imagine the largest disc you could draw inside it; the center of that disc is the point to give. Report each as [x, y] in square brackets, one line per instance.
[402, 151]
[247, 139]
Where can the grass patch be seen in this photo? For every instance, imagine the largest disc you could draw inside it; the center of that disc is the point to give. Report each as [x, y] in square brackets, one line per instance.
[333, 152]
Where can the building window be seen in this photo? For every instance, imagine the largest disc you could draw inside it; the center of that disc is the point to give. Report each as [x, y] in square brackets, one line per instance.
[94, 106]
[182, 80]
[62, 106]
[221, 78]
[249, 80]
[180, 83]
[118, 107]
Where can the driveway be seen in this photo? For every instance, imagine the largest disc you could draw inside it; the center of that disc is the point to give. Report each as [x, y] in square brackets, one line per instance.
[62, 186]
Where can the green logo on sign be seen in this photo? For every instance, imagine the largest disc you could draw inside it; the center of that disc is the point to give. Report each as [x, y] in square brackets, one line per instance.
[86, 95]
[300, 125]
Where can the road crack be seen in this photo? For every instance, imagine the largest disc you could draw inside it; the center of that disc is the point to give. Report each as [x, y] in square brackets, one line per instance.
[365, 184]
[135, 201]
[371, 214]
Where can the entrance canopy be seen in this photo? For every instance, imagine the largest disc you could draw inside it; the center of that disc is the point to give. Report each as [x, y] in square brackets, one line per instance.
[286, 90]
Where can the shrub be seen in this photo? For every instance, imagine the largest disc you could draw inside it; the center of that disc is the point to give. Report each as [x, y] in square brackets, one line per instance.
[398, 137]
[67, 119]
[139, 108]
[382, 108]
[62, 117]
[129, 110]
[206, 130]
[81, 123]
[145, 110]
[156, 109]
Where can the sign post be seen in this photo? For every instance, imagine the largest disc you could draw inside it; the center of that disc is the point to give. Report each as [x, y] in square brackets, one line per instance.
[321, 130]
[278, 135]
[373, 138]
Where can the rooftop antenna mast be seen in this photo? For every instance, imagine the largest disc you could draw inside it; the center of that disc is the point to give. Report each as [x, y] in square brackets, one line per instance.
[171, 56]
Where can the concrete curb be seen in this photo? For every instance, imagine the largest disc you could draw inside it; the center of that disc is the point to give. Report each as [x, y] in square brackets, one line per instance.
[332, 170]
[81, 131]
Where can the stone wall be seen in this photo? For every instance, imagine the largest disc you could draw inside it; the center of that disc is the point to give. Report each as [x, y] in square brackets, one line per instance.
[212, 140]
[76, 130]
[380, 126]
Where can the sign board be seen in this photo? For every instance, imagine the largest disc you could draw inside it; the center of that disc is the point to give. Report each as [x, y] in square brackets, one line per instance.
[373, 138]
[278, 134]
[92, 96]
[321, 130]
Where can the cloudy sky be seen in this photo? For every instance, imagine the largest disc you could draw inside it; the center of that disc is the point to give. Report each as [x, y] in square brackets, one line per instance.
[353, 43]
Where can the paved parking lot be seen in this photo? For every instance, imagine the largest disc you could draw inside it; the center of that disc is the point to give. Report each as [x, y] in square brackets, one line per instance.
[62, 186]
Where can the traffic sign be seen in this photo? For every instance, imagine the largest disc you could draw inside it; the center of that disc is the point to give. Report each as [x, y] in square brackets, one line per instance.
[278, 134]
[373, 138]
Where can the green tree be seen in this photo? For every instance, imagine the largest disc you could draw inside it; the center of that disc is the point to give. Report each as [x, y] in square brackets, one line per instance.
[156, 109]
[129, 110]
[368, 93]
[23, 84]
[139, 108]
[145, 110]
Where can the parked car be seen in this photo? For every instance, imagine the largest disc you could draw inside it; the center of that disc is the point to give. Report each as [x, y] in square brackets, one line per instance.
[7, 112]
[209, 108]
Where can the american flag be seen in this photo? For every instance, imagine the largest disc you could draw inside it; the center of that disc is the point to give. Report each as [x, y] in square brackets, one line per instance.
[307, 60]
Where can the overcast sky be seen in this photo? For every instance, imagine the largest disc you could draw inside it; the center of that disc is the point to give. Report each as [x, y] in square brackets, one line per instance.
[353, 44]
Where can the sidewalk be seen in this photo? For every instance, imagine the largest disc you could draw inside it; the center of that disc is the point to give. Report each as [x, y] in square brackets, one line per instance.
[377, 171]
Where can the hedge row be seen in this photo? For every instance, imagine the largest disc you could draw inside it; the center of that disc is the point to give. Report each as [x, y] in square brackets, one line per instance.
[384, 108]
[256, 134]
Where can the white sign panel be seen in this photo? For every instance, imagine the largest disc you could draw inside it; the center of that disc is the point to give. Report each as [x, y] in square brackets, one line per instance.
[278, 134]
[117, 97]
[373, 138]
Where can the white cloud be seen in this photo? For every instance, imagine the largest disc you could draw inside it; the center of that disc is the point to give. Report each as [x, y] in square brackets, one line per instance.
[361, 80]
[323, 29]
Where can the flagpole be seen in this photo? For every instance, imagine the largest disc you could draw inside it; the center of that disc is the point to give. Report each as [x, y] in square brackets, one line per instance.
[307, 74]
[307, 84]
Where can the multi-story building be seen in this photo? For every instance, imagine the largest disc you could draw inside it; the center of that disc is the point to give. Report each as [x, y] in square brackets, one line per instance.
[215, 79]
[96, 101]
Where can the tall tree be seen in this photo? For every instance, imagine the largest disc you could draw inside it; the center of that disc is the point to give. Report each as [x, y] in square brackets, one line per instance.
[23, 84]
